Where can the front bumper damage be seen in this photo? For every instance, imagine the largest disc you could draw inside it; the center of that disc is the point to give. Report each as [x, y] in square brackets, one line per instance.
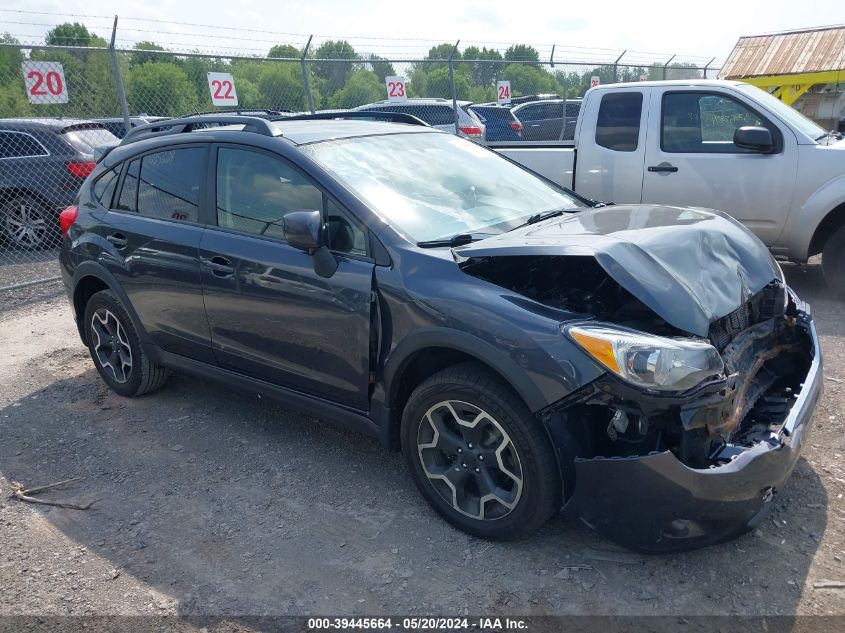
[661, 498]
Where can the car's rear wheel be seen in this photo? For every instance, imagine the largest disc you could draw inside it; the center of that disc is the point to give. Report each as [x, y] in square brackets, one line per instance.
[833, 260]
[26, 223]
[478, 455]
[116, 349]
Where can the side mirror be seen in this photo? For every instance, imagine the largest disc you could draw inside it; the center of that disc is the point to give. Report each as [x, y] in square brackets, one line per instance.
[754, 138]
[304, 230]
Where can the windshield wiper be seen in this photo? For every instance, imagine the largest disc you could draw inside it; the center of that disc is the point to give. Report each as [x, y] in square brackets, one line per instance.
[456, 240]
[545, 215]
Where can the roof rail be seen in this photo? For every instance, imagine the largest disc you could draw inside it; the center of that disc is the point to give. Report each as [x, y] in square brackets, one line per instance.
[259, 112]
[190, 123]
[370, 115]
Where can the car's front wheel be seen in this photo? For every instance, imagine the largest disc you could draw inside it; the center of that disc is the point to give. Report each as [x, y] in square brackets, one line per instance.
[116, 348]
[478, 455]
[833, 261]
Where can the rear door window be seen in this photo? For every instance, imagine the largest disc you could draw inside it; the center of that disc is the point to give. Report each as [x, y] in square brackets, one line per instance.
[19, 145]
[618, 125]
[169, 187]
[128, 200]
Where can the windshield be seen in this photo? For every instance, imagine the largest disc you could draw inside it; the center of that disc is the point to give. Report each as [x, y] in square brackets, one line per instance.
[785, 112]
[433, 185]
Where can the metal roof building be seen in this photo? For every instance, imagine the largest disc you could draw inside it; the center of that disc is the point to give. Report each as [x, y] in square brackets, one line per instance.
[791, 62]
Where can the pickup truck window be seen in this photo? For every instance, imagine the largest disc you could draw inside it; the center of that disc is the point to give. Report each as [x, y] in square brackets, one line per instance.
[618, 125]
[704, 123]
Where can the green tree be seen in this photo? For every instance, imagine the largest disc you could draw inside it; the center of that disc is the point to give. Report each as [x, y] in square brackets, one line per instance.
[281, 88]
[438, 57]
[10, 59]
[528, 79]
[482, 65]
[13, 101]
[285, 51]
[74, 34]
[522, 53]
[439, 85]
[332, 76]
[161, 88]
[363, 86]
[139, 57]
[381, 67]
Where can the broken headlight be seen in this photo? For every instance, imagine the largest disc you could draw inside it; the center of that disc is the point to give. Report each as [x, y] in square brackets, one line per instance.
[650, 361]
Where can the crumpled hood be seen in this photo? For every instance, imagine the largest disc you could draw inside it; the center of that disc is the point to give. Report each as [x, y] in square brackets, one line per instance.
[690, 266]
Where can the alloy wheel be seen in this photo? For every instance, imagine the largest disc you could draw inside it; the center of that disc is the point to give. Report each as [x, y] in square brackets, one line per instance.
[25, 225]
[111, 346]
[470, 460]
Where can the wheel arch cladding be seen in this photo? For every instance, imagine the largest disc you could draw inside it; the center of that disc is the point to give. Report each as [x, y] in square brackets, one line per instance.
[90, 278]
[409, 367]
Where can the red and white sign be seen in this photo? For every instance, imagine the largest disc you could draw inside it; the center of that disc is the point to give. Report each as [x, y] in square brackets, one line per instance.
[594, 81]
[222, 89]
[503, 92]
[45, 82]
[396, 90]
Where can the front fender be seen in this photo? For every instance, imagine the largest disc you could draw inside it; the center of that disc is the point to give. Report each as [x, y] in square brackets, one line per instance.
[802, 225]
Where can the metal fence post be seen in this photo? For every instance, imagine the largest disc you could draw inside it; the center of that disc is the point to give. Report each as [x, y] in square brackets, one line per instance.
[118, 80]
[454, 89]
[616, 66]
[667, 64]
[707, 65]
[305, 74]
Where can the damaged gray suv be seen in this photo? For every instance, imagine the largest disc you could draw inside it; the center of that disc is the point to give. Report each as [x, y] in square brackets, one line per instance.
[644, 367]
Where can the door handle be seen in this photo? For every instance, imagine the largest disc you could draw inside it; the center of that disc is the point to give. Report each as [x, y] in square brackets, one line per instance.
[219, 266]
[663, 168]
[118, 240]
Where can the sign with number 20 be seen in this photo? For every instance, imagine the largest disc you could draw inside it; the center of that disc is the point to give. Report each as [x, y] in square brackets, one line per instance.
[45, 82]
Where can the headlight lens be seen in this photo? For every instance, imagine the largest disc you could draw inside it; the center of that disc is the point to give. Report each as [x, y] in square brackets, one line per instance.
[650, 361]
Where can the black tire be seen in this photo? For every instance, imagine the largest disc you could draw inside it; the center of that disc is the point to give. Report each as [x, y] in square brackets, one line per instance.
[833, 260]
[506, 428]
[112, 339]
[26, 223]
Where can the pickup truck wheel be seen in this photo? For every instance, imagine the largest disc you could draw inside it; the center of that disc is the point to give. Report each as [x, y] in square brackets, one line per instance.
[478, 455]
[116, 348]
[833, 261]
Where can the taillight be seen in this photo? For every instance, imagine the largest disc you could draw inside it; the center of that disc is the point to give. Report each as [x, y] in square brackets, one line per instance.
[66, 218]
[472, 131]
[516, 126]
[81, 169]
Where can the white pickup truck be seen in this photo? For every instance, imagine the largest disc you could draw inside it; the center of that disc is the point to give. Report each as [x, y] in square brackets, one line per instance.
[723, 145]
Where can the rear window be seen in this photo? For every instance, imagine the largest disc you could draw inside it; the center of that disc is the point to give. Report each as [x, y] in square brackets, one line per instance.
[104, 188]
[494, 113]
[618, 126]
[87, 140]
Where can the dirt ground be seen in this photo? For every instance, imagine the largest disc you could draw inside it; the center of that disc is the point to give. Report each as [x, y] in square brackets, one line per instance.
[213, 502]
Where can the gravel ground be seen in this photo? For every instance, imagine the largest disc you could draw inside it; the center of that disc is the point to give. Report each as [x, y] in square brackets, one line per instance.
[214, 502]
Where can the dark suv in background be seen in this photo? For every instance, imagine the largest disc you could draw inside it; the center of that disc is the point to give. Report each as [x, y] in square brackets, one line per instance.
[523, 347]
[549, 119]
[43, 162]
[117, 126]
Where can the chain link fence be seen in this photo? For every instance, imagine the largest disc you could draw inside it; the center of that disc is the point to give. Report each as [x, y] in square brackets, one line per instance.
[60, 103]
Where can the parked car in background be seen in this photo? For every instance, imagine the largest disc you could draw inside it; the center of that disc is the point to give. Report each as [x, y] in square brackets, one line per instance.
[437, 113]
[722, 145]
[525, 349]
[500, 123]
[549, 119]
[537, 97]
[43, 162]
[117, 126]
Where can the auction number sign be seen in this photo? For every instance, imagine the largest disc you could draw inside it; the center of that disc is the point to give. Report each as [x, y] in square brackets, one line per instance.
[594, 81]
[45, 82]
[222, 89]
[503, 92]
[396, 90]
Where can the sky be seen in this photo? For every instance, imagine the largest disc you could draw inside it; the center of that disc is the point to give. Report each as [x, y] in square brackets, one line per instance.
[698, 30]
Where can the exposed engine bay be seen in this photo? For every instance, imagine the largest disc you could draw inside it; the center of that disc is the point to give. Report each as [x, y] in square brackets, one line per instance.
[764, 344]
